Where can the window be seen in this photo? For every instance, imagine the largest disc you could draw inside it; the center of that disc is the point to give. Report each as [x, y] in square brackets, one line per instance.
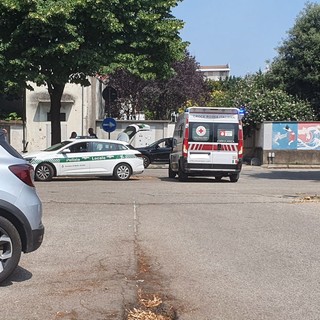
[98, 146]
[213, 132]
[107, 146]
[79, 147]
[62, 116]
[226, 133]
[200, 132]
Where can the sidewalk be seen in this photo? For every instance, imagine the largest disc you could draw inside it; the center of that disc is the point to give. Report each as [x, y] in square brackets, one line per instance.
[290, 166]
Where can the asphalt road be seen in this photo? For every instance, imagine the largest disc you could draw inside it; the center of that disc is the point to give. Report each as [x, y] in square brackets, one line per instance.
[210, 250]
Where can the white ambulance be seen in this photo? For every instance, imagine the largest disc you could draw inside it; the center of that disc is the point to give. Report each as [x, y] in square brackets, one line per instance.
[207, 142]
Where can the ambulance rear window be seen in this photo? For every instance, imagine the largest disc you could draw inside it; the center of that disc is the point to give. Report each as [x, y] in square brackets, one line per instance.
[200, 132]
[213, 132]
[226, 132]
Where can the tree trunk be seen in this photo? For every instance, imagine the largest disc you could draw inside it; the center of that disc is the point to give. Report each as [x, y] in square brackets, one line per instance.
[55, 91]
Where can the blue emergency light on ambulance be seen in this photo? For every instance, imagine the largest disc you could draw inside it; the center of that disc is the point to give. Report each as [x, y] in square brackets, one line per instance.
[242, 112]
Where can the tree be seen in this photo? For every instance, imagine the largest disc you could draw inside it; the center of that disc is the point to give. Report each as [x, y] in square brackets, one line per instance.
[54, 42]
[129, 89]
[164, 96]
[160, 97]
[260, 102]
[297, 66]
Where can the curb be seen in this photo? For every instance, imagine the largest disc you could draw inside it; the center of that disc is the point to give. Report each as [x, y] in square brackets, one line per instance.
[290, 166]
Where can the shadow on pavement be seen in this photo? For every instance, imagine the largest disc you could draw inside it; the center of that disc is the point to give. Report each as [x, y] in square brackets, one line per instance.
[288, 175]
[19, 275]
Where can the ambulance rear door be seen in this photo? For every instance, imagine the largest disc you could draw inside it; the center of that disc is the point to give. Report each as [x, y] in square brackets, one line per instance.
[213, 143]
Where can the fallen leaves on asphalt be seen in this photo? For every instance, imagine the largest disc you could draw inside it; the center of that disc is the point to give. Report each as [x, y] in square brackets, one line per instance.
[308, 198]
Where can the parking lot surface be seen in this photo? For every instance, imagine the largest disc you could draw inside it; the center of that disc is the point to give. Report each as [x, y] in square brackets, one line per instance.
[210, 250]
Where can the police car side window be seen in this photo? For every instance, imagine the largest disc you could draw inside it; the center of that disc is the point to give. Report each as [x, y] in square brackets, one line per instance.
[121, 147]
[97, 146]
[113, 147]
[79, 147]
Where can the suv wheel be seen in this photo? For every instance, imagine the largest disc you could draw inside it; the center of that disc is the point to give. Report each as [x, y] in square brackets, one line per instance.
[44, 172]
[146, 161]
[10, 248]
[122, 171]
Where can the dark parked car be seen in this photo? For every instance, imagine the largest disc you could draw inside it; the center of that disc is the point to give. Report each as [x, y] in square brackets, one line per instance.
[156, 152]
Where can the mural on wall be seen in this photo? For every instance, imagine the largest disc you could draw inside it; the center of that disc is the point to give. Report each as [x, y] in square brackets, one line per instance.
[296, 136]
[309, 136]
[284, 135]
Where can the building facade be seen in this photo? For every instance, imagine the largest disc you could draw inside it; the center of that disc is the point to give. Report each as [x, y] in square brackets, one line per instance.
[80, 109]
[218, 72]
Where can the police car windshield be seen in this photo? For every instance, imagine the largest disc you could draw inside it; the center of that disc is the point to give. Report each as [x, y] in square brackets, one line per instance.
[58, 146]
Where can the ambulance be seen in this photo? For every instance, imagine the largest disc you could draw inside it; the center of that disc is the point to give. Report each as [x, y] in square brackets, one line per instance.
[207, 142]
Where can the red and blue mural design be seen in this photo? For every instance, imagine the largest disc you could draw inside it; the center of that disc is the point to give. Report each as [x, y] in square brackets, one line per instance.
[296, 136]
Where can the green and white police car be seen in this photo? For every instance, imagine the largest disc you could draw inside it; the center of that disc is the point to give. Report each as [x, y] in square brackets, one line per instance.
[86, 157]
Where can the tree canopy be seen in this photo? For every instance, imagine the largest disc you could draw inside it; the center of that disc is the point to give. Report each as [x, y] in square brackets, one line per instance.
[54, 42]
[158, 98]
[297, 66]
[260, 102]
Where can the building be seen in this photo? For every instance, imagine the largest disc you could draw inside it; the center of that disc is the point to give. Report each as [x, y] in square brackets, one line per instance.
[81, 108]
[219, 72]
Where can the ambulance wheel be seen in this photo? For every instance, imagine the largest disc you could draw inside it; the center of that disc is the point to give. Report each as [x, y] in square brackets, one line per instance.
[182, 176]
[171, 173]
[234, 177]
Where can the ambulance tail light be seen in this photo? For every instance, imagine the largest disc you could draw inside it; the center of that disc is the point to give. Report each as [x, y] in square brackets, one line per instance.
[185, 145]
[185, 148]
[240, 143]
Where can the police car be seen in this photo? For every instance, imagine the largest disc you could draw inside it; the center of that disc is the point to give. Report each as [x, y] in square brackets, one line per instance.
[86, 157]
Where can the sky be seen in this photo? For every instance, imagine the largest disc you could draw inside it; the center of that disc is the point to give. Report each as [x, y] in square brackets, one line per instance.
[241, 33]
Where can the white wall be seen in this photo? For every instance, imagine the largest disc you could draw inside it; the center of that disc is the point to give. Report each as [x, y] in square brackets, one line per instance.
[73, 104]
[267, 135]
[83, 106]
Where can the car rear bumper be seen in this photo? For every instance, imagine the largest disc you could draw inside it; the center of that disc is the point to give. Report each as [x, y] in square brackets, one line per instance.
[36, 239]
[205, 169]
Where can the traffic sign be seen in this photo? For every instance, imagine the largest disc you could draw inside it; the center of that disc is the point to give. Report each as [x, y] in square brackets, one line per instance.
[109, 124]
[109, 94]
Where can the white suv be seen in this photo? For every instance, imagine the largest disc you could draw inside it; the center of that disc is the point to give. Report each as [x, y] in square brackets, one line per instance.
[21, 228]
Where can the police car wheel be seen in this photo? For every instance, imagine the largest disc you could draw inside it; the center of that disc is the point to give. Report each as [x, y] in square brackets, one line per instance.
[122, 171]
[44, 172]
[10, 248]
